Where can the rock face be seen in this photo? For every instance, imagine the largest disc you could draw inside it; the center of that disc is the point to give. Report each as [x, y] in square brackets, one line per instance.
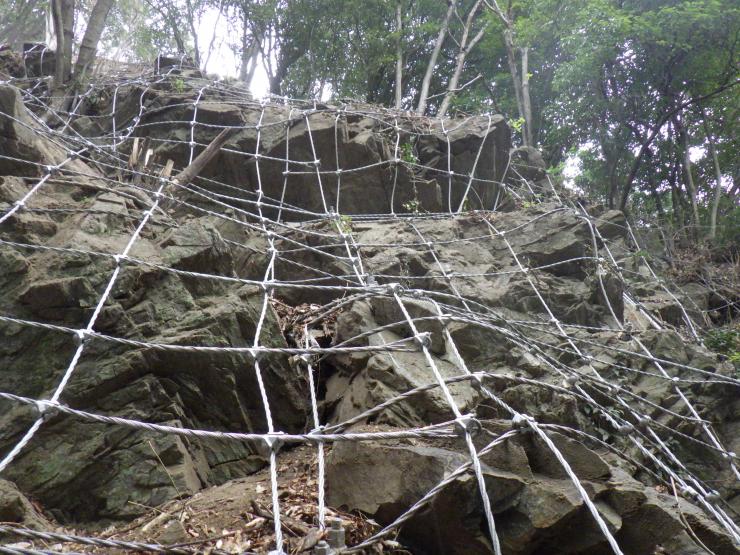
[14, 507]
[358, 152]
[330, 226]
[93, 471]
[536, 507]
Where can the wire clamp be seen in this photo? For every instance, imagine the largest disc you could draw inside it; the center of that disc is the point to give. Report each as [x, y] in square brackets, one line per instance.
[465, 425]
[521, 422]
[46, 409]
[336, 535]
[80, 336]
[424, 340]
[395, 289]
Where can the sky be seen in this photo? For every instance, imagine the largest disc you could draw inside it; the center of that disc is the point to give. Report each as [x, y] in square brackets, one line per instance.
[223, 61]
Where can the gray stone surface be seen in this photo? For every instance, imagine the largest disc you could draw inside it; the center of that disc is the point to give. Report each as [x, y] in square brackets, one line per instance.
[93, 473]
[16, 508]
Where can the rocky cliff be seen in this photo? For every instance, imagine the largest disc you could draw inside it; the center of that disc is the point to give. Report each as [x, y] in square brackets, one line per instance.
[411, 295]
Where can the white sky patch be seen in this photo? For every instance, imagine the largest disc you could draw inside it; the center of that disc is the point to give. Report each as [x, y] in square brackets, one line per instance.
[696, 153]
[574, 167]
[223, 60]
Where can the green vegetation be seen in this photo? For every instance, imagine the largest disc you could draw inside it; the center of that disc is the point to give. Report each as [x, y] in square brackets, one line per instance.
[343, 224]
[725, 341]
[178, 85]
[413, 206]
[641, 96]
[407, 153]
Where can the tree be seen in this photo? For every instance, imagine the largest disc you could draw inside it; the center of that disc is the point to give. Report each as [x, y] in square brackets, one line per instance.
[63, 16]
[634, 71]
[22, 21]
[93, 32]
[444, 26]
[399, 55]
[64, 13]
[466, 44]
[520, 81]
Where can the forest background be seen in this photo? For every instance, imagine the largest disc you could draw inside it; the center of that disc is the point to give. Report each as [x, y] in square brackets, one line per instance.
[633, 104]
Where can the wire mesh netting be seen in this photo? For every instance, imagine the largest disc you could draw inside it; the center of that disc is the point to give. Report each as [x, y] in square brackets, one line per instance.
[457, 340]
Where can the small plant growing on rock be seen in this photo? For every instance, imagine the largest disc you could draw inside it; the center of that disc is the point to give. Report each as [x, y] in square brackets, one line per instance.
[407, 153]
[412, 206]
[343, 224]
[96, 101]
[178, 85]
[641, 254]
[725, 341]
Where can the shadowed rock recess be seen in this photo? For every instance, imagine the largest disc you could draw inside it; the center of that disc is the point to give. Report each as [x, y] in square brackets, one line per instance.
[434, 247]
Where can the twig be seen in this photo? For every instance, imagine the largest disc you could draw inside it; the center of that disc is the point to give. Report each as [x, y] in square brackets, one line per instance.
[290, 524]
[686, 522]
[458, 89]
[204, 540]
[172, 480]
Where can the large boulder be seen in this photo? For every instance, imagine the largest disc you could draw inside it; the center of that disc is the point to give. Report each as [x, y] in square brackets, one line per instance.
[16, 508]
[375, 177]
[536, 507]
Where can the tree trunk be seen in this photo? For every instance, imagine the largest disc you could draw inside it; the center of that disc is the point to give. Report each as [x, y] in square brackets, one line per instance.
[56, 8]
[68, 22]
[679, 219]
[656, 197]
[247, 45]
[514, 70]
[523, 106]
[248, 62]
[399, 56]
[193, 32]
[718, 177]
[253, 63]
[93, 32]
[461, 55]
[421, 107]
[64, 17]
[526, 102]
[213, 37]
[612, 159]
[690, 187]
[250, 51]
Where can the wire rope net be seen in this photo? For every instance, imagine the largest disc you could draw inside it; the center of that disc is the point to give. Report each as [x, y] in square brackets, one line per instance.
[386, 331]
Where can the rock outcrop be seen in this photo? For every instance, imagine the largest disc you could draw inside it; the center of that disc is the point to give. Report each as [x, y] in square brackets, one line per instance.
[334, 222]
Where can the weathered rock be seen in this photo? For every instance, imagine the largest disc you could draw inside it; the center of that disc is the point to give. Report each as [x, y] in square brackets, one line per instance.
[55, 299]
[528, 163]
[14, 507]
[164, 62]
[405, 473]
[374, 177]
[91, 471]
[11, 63]
[611, 224]
[39, 60]
[536, 507]
[362, 381]
[181, 289]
